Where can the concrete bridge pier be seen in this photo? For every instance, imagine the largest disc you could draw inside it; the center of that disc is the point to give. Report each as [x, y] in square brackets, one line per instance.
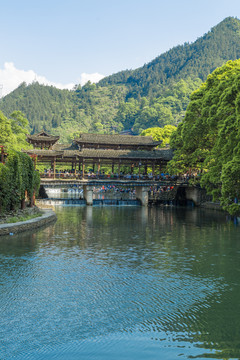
[142, 194]
[89, 215]
[88, 194]
[194, 194]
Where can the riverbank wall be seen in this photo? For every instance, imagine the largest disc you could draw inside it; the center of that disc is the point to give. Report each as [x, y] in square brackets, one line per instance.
[47, 217]
[212, 206]
[199, 198]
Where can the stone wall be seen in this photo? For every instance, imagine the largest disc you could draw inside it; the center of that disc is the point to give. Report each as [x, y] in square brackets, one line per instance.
[13, 228]
[212, 206]
[195, 194]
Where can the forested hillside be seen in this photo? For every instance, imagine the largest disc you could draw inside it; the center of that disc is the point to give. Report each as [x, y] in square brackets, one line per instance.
[156, 94]
[64, 112]
[196, 60]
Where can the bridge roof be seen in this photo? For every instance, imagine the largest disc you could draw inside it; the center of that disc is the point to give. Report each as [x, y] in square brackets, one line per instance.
[68, 152]
[164, 154]
[116, 139]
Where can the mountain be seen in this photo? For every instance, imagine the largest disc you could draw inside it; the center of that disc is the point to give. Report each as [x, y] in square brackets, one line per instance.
[196, 60]
[64, 112]
[153, 95]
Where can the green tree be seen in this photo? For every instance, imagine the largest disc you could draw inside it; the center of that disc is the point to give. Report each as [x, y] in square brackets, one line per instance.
[160, 134]
[208, 137]
[230, 179]
[17, 177]
[6, 135]
[13, 131]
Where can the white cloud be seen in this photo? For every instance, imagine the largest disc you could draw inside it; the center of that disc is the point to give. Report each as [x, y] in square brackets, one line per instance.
[11, 78]
[94, 78]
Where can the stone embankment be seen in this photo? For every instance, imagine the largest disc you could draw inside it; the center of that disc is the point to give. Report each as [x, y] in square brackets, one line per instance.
[47, 217]
[212, 206]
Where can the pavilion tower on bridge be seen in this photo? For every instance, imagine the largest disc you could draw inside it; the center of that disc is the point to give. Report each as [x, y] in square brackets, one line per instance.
[42, 140]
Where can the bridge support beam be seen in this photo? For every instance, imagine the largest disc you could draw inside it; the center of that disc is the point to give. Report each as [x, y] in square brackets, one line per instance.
[88, 194]
[142, 195]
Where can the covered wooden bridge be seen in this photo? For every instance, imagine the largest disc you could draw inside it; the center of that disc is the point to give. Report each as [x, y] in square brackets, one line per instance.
[97, 150]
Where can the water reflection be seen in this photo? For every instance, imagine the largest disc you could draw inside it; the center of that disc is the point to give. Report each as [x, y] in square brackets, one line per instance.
[122, 282]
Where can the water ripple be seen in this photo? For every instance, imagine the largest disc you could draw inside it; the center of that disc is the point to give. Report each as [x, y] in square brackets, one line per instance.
[84, 292]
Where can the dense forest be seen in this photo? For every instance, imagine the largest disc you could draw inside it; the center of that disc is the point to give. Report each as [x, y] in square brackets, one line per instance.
[154, 95]
[207, 140]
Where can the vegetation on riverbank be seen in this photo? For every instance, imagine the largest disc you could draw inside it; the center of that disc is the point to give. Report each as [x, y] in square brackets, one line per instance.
[18, 182]
[18, 179]
[20, 215]
[207, 140]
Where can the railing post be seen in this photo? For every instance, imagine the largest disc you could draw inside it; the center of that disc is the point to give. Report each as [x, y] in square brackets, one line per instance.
[54, 168]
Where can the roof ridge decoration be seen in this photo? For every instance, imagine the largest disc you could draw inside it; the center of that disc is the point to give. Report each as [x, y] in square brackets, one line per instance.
[43, 133]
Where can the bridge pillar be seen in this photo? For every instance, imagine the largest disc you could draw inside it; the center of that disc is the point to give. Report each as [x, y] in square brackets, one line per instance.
[88, 194]
[142, 195]
[194, 194]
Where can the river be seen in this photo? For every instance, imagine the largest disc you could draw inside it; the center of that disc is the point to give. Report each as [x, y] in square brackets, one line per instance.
[122, 283]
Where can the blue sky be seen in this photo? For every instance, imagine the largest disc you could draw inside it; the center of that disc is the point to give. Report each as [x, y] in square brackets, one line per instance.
[67, 42]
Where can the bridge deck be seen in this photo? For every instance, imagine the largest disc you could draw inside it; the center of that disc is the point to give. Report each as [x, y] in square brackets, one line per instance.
[119, 182]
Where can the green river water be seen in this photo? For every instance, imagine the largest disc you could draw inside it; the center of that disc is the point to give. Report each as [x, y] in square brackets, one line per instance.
[122, 283]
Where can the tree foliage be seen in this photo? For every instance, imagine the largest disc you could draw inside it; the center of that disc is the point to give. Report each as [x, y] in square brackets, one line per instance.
[208, 137]
[13, 131]
[17, 177]
[160, 134]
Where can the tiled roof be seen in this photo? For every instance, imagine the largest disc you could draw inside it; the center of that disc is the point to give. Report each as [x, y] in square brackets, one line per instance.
[40, 152]
[164, 154]
[116, 139]
[53, 153]
[43, 138]
[62, 147]
[63, 151]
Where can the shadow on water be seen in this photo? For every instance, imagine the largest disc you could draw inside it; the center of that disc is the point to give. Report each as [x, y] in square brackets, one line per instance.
[143, 283]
